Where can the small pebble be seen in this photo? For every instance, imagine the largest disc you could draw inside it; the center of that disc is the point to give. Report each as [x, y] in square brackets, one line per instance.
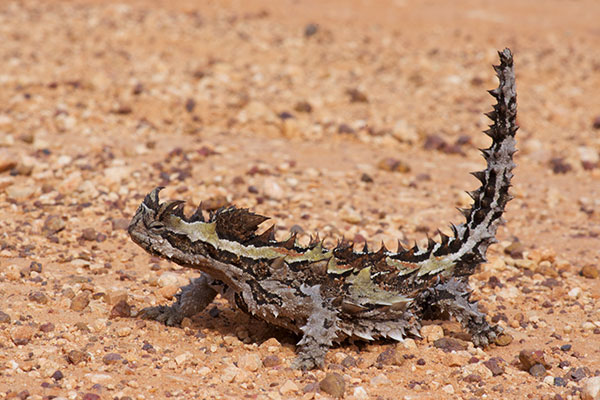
[288, 387]
[88, 234]
[4, 318]
[590, 271]
[390, 357]
[21, 335]
[432, 332]
[169, 278]
[168, 292]
[303, 107]
[182, 358]
[47, 327]
[448, 389]
[124, 331]
[349, 362]
[495, 366]
[310, 30]
[345, 129]
[229, 374]
[558, 381]
[574, 293]
[333, 384]
[57, 375]
[249, 362]
[380, 380]
[537, 370]
[272, 189]
[393, 165]
[20, 192]
[356, 96]
[38, 297]
[52, 225]
[360, 393]
[577, 374]
[350, 215]
[591, 389]
[504, 339]
[588, 326]
[121, 310]
[472, 378]
[560, 166]
[76, 356]
[529, 358]
[112, 358]
[448, 344]
[80, 302]
[271, 361]
[548, 380]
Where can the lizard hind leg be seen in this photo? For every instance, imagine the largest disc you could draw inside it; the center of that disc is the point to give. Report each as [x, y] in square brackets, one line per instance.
[453, 297]
[192, 299]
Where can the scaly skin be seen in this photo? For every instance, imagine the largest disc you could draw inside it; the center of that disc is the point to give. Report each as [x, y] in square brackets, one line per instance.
[327, 295]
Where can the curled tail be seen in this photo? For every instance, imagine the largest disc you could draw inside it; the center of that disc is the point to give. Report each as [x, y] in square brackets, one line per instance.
[459, 255]
[490, 199]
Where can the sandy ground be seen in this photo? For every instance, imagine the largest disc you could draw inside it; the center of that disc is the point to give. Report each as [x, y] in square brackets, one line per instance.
[349, 118]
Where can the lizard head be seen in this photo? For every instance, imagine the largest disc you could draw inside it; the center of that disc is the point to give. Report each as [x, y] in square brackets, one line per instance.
[151, 222]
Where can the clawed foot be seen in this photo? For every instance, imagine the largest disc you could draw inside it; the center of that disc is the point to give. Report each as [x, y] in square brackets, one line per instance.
[192, 299]
[306, 362]
[486, 334]
[168, 315]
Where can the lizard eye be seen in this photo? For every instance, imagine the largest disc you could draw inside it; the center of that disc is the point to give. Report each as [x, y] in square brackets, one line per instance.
[156, 226]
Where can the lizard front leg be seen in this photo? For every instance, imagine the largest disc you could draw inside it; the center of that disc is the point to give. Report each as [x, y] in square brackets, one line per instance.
[192, 299]
[319, 331]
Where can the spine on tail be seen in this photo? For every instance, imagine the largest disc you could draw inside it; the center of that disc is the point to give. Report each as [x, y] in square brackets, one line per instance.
[489, 200]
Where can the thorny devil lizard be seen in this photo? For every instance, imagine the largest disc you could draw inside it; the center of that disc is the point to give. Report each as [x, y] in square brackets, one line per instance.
[328, 295]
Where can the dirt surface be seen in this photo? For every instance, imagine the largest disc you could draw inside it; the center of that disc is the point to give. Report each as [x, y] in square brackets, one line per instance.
[350, 118]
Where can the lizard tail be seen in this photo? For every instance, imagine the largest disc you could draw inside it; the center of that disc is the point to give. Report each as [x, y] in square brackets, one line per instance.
[462, 253]
[489, 200]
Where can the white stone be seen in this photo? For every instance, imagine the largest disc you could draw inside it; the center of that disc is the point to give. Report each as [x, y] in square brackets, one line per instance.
[588, 154]
[478, 369]
[124, 331]
[549, 380]
[272, 189]
[249, 362]
[380, 380]
[574, 293]
[116, 174]
[63, 161]
[360, 393]
[169, 278]
[448, 389]
[432, 332]
[350, 215]
[408, 344]
[288, 387]
[404, 132]
[229, 374]
[20, 192]
[588, 326]
[180, 359]
[591, 389]
[98, 378]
